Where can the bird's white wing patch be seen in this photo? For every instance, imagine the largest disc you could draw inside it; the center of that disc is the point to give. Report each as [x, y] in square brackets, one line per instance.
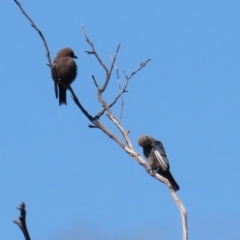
[163, 163]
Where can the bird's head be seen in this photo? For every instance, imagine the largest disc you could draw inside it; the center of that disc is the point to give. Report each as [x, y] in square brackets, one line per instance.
[146, 141]
[66, 52]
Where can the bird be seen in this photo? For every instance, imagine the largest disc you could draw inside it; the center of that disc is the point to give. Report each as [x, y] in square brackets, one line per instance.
[157, 159]
[64, 71]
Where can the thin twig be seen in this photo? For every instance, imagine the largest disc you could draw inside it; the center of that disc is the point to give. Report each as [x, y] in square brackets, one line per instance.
[95, 82]
[22, 221]
[37, 29]
[100, 113]
[112, 103]
[93, 50]
[122, 99]
[120, 90]
[44, 42]
[143, 64]
[108, 72]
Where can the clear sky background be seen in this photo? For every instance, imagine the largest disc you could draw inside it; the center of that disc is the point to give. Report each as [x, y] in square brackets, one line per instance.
[76, 182]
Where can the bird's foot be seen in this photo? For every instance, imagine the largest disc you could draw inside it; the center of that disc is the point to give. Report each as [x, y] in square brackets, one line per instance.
[152, 172]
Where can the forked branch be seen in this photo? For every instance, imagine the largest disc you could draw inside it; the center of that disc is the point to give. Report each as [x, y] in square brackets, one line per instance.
[125, 133]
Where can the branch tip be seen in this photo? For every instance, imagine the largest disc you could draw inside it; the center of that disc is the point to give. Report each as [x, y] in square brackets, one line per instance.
[22, 221]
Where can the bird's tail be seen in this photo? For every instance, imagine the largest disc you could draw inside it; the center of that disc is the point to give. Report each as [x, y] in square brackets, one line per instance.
[170, 178]
[62, 95]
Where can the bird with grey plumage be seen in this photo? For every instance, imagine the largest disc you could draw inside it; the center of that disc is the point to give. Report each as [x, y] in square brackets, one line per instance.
[157, 158]
[64, 72]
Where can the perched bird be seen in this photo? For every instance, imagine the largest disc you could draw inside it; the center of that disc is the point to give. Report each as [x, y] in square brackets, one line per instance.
[157, 159]
[64, 72]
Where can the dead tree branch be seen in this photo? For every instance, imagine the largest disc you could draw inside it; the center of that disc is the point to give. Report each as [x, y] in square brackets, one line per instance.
[108, 72]
[124, 89]
[125, 133]
[22, 221]
[122, 99]
[44, 42]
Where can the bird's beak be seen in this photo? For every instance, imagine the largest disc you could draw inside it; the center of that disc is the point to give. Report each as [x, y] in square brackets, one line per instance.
[75, 56]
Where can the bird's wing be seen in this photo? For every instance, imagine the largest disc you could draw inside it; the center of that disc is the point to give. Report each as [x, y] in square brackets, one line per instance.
[56, 90]
[55, 83]
[161, 155]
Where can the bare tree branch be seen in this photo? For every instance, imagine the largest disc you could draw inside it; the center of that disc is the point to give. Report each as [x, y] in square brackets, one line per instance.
[179, 204]
[122, 100]
[143, 64]
[128, 147]
[94, 120]
[113, 102]
[124, 89]
[110, 134]
[120, 90]
[95, 82]
[108, 72]
[93, 51]
[77, 102]
[44, 42]
[37, 29]
[22, 221]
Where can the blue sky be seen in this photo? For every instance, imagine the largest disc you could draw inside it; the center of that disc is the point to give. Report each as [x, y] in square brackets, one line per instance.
[76, 182]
